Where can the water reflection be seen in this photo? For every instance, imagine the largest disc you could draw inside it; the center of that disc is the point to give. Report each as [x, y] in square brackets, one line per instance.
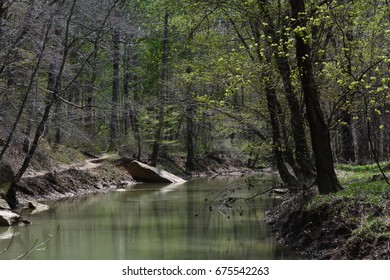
[151, 221]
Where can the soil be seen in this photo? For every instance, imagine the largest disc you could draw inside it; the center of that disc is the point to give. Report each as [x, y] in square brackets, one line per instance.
[337, 229]
[95, 176]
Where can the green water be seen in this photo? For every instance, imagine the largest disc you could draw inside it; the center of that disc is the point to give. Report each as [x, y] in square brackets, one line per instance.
[154, 221]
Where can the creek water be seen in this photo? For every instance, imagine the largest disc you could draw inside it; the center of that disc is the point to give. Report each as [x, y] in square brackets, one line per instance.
[201, 219]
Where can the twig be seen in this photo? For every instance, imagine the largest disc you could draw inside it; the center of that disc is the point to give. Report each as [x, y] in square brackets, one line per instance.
[9, 244]
[32, 248]
[247, 198]
[35, 247]
[258, 194]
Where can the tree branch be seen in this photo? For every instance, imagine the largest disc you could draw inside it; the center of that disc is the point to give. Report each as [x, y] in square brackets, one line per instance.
[35, 247]
[9, 244]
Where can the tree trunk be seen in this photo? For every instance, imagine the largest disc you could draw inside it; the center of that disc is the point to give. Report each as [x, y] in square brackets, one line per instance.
[53, 86]
[4, 5]
[89, 118]
[274, 111]
[130, 116]
[54, 75]
[137, 136]
[34, 145]
[126, 96]
[58, 118]
[376, 135]
[29, 125]
[190, 160]
[190, 112]
[386, 134]
[285, 175]
[320, 138]
[11, 196]
[347, 144]
[135, 124]
[302, 155]
[3, 15]
[163, 92]
[114, 129]
[363, 151]
[30, 87]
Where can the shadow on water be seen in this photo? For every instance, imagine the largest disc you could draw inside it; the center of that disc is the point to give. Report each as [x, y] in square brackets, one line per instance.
[201, 219]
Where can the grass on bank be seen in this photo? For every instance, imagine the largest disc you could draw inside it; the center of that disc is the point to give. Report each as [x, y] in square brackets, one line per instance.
[363, 204]
[365, 180]
[360, 182]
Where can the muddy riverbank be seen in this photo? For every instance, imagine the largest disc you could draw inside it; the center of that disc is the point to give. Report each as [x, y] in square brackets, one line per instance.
[333, 227]
[72, 182]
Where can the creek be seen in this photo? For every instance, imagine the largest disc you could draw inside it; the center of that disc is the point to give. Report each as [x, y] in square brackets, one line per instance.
[201, 219]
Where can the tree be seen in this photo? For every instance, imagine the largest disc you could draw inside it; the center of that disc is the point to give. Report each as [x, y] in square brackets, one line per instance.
[56, 78]
[280, 50]
[163, 91]
[255, 20]
[190, 115]
[326, 176]
[114, 121]
[33, 75]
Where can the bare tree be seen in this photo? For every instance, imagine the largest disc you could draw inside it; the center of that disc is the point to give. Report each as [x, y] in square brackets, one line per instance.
[56, 86]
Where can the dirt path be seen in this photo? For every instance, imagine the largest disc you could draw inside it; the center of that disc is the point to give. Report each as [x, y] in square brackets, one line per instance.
[88, 164]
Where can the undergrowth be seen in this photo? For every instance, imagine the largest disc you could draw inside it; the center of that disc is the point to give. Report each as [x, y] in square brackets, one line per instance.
[363, 205]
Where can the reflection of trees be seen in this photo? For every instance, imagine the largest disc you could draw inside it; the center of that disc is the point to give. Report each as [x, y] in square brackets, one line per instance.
[235, 212]
[159, 222]
[125, 228]
[147, 223]
[136, 223]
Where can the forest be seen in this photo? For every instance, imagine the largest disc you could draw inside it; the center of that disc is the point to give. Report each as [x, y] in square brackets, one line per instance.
[301, 86]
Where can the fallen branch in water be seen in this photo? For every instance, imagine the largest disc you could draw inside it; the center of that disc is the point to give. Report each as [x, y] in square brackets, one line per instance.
[9, 244]
[258, 194]
[35, 247]
[229, 202]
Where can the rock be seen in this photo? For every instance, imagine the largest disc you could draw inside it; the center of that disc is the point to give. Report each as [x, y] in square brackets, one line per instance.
[6, 178]
[37, 207]
[4, 205]
[8, 218]
[7, 233]
[279, 191]
[145, 173]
